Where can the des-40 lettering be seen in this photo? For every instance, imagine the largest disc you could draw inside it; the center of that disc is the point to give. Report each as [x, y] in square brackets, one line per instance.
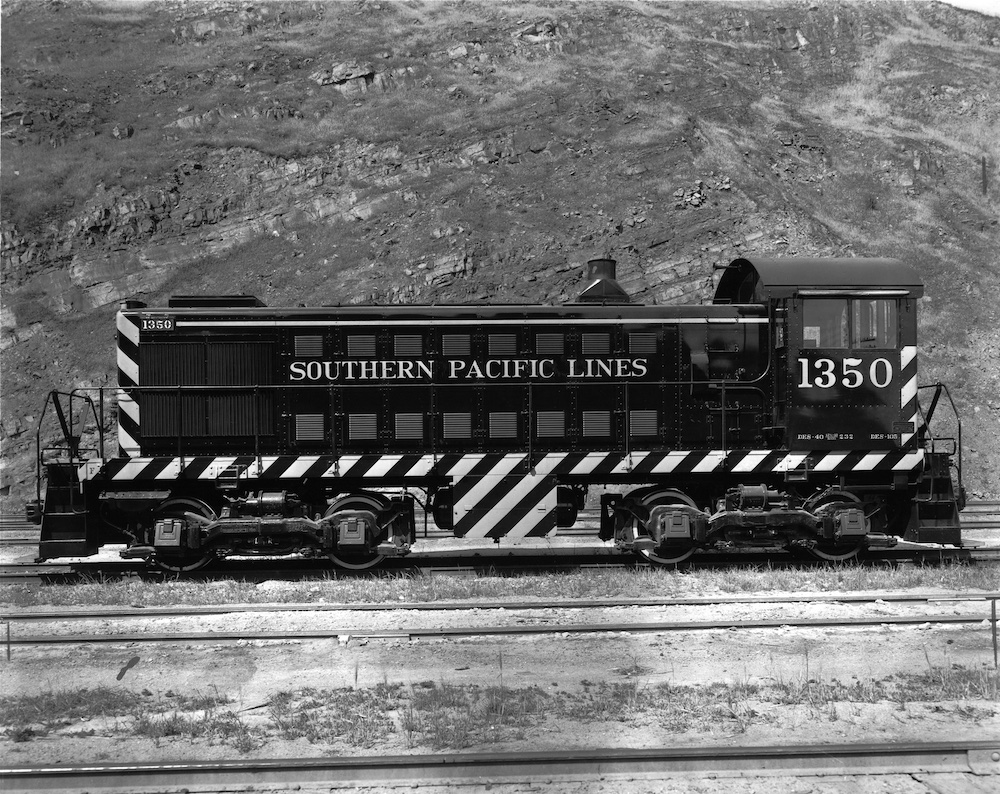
[825, 373]
[157, 324]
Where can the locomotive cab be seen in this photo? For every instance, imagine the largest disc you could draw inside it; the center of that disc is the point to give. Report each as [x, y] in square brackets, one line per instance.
[844, 332]
[845, 394]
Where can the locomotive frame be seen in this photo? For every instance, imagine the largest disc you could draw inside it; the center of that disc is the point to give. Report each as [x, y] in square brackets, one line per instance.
[785, 413]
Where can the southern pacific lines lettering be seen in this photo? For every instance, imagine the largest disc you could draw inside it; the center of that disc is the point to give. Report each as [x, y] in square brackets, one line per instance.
[360, 370]
[463, 369]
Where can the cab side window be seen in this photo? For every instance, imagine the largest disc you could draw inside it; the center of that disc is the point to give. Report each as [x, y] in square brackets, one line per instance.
[825, 323]
[838, 324]
[875, 324]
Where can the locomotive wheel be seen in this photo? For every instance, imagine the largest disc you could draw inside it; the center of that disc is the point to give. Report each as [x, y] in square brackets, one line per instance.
[831, 551]
[666, 553]
[356, 561]
[184, 562]
[669, 555]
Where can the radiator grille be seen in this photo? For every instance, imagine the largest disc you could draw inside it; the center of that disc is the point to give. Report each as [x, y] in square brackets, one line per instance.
[407, 346]
[172, 364]
[362, 427]
[457, 345]
[503, 424]
[309, 427]
[550, 344]
[309, 346]
[458, 425]
[361, 346]
[550, 424]
[595, 344]
[597, 423]
[642, 423]
[410, 426]
[167, 414]
[641, 344]
[503, 344]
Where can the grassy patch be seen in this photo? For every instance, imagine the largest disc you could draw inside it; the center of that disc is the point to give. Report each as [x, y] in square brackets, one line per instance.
[48, 708]
[450, 716]
[215, 727]
[441, 715]
[361, 718]
[589, 584]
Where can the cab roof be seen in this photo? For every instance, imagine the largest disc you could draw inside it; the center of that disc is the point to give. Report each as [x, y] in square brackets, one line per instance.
[762, 280]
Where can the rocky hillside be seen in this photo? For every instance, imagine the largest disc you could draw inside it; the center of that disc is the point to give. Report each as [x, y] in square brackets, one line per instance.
[458, 151]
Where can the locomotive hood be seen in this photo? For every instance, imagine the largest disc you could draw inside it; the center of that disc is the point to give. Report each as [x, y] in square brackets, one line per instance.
[762, 280]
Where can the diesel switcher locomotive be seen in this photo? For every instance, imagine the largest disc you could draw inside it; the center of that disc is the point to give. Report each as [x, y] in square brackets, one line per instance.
[784, 413]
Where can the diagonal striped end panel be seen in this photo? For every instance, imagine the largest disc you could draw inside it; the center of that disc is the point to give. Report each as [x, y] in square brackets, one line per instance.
[496, 498]
[764, 461]
[908, 392]
[128, 379]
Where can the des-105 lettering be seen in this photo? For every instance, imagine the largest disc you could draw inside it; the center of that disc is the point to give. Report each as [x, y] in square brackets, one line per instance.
[157, 324]
[825, 373]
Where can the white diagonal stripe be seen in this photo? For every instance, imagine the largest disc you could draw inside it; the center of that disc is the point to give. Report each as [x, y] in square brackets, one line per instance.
[466, 464]
[132, 469]
[906, 356]
[590, 462]
[910, 460]
[127, 328]
[670, 462]
[300, 466]
[870, 461]
[126, 444]
[258, 467]
[382, 467]
[422, 467]
[905, 437]
[791, 461]
[128, 406]
[128, 366]
[490, 481]
[547, 464]
[343, 465]
[629, 462]
[171, 471]
[752, 460]
[830, 461]
[710, 462]
[531, 520]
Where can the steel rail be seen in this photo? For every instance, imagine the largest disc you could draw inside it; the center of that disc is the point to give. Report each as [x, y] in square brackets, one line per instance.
[463, 606]
[451, 632]
[981, 758]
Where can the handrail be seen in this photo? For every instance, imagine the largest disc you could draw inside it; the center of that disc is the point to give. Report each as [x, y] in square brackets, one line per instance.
[939, 389]
[68, 426]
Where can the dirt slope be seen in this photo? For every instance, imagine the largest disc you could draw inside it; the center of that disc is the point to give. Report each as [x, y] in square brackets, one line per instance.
[455, 151]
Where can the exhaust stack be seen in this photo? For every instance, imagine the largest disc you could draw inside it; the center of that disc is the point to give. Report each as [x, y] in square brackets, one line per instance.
[603, 287]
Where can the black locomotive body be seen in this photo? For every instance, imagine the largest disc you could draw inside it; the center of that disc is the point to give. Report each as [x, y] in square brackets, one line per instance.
[784, 413]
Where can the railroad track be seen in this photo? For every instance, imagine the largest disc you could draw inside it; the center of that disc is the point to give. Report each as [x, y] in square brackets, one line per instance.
[511, 564]
[973, 758]
[493, 604]
[107, 636]
[502, 562]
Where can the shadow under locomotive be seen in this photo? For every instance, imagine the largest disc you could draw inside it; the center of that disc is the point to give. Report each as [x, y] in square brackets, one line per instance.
[785, 413]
